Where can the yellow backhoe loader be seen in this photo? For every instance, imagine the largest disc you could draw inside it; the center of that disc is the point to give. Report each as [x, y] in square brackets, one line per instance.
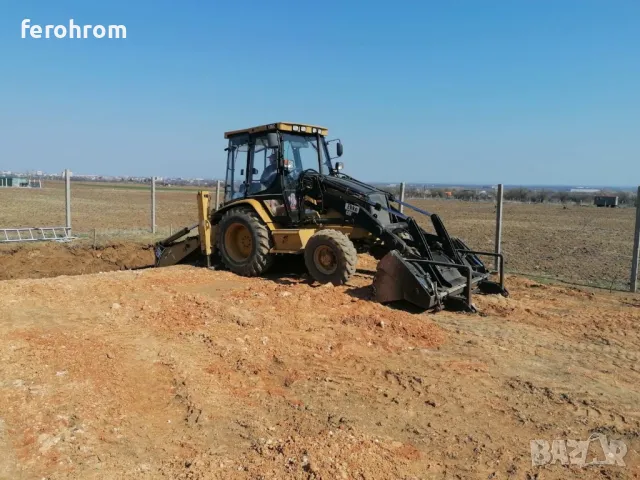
[284, 196]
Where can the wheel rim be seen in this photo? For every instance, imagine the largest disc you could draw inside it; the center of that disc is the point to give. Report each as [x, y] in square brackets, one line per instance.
[325, 260]
[238, 242]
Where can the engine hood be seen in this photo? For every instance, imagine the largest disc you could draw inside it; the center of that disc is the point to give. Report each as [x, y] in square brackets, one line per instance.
[355, 186]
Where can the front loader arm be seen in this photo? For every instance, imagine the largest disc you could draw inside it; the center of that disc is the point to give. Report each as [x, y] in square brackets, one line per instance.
[355, 211]
[418, 266]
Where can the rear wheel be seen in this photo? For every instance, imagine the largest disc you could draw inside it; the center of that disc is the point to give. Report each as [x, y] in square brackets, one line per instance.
[243, 242]
[330, 257]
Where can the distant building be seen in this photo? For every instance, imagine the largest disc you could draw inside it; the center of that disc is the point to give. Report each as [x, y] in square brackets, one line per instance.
[10, 181]
[19, 182]
[584, 190]
[606, 201]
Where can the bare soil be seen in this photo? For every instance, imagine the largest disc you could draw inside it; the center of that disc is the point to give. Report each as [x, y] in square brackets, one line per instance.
[42, 260]
[184, 372]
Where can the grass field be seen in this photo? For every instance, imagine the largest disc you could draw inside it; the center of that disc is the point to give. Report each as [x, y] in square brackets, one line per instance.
[581, 244]
[111, 209]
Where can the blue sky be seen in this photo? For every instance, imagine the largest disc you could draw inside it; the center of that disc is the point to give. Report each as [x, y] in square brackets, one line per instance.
[518, 92]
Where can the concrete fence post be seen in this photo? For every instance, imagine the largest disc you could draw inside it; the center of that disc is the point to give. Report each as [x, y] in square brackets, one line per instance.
[67, 192]
[153, 205]
[402, 188]
[498, 240]
[636, 248]
[218, 192]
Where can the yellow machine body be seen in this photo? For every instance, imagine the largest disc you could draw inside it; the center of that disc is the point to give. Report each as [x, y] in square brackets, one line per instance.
[285, 240]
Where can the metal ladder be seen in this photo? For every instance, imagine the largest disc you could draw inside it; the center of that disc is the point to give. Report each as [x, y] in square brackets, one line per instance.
[35, 234]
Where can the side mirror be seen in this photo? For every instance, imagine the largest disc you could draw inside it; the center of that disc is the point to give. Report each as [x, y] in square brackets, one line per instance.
[272, 140]
[339, 165]
[255, 171]
[339, 149]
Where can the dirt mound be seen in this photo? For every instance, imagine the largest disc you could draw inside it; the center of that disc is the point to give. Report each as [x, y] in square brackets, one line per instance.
[53, 259]
[185, 372]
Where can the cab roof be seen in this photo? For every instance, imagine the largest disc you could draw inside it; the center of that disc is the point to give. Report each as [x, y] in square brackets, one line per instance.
[282, 126]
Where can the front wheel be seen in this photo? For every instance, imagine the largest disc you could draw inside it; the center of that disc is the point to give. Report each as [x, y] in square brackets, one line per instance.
[330, 257]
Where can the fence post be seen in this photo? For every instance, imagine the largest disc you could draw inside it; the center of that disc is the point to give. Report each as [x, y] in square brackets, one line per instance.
[67, 192]
[153, 204]
[498, 246]
[636, 248]
[402, 185]
[218, 182]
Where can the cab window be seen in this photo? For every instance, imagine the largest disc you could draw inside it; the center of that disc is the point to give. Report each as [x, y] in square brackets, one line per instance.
[264, 166]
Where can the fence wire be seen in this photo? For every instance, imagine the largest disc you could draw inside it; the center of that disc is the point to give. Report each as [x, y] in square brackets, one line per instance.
[578, 244]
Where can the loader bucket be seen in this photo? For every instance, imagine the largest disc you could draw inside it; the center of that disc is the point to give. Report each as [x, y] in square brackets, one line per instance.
[438, 271]
[398, 279]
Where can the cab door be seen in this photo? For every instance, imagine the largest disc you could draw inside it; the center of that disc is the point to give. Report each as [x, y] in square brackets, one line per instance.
[291, 158]
[264, 180]
[237, 160]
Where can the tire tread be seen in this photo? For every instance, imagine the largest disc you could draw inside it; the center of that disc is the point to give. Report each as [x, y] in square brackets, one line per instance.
[262, 259]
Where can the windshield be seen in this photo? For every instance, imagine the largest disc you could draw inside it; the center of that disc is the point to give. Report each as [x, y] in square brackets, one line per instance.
[302, 151]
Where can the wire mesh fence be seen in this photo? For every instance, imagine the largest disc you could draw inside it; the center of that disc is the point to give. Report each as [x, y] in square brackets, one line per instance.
[117, 210]
[580, 244]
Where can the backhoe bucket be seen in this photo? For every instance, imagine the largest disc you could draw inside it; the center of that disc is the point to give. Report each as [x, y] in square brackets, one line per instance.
[398, 279]
[176, 252]
[173, 250]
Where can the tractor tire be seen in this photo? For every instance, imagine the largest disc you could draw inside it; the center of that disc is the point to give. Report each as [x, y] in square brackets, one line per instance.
[243, 242]
[330, 257]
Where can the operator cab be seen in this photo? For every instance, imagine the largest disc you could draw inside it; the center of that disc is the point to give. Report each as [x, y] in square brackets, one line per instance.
[265, 162]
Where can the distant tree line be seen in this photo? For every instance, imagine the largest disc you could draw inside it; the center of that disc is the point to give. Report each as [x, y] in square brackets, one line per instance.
[520, 194]
[553, 196]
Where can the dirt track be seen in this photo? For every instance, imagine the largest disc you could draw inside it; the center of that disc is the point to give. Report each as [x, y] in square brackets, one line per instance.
[187, 373]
